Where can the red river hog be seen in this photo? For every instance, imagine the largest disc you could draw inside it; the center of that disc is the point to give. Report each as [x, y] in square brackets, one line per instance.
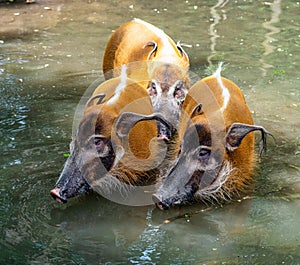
[100, 159]
[217, 156]
[154, 59]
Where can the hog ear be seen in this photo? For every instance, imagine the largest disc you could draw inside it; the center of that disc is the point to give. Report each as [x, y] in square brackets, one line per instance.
[238, 131]
[197, 110]
[99, 97]
[127, 120]
[181, 50]
[153, 51]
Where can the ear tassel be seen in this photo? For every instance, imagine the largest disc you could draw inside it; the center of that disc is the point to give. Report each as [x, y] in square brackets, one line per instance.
[263, 141]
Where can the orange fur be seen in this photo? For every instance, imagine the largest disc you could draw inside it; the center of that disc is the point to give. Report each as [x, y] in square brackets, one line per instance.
[130, 43]
[209, 94]
[130, 100]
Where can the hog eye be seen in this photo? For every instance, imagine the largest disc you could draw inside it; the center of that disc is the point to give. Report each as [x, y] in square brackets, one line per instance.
[105, 151]
[99, 143]
[153, 85]
[178, 92]
[152, 89]
[204, 153]
[102, 146]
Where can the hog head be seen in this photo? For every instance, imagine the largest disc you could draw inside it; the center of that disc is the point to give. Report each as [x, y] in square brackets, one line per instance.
[167, 88]
[205, 165]
[217, 157]
[92, 152]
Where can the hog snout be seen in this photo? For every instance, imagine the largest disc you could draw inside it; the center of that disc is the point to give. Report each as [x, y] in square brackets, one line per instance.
[56, 194]
[174, 191]
[158, 200]
[164, 203]
[71, 182]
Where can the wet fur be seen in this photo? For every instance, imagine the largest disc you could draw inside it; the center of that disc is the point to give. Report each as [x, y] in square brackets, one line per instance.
[233, 137]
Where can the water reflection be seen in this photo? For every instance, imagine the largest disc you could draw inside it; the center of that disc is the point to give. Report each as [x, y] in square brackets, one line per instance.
[239, 233]
[269, 39]
[100, 230]
[216, 18]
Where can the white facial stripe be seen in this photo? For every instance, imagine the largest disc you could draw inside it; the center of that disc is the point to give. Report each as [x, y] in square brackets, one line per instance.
[172, 89]
[95, 136]
[160, 33]
[119, 152]
[225, 92]
[120, 87]
[158, 88]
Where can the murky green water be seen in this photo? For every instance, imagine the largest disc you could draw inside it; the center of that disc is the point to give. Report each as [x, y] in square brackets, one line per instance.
[42, 78]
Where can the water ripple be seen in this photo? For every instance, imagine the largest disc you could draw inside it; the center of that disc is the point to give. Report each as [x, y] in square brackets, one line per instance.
[269, 39]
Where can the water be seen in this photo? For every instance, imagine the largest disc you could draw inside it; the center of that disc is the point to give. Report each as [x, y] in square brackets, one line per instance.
[47, 63]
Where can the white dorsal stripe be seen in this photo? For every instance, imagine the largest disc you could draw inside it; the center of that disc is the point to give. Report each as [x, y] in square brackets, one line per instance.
[121, 86]
[159, 32]
[225, 92]
[166, 47]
